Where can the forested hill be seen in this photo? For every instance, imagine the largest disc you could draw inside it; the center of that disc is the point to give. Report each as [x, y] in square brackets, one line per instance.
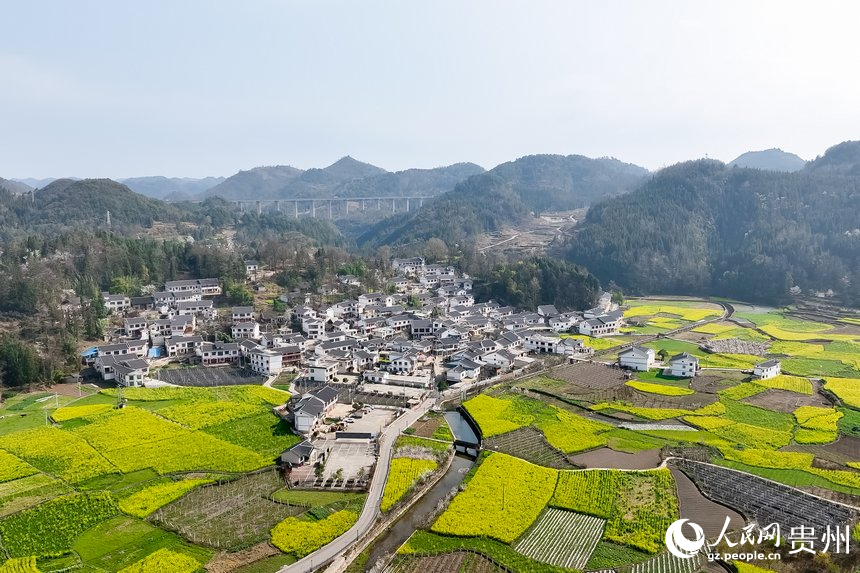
[508, 194]
[66, 204]
[14, 187]
[771, 160]
[706, 228]
[539, 280]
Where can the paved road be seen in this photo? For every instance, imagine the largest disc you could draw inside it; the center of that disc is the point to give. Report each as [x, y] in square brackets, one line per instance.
[371, 507]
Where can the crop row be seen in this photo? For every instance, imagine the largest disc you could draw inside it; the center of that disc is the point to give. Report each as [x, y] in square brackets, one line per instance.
[67, 413]
[204, 414]
[501, 501]
[50, 528]
[251, 394]
[403, 475]
[19, 565]
[58, 452]
[562, 538]
[638, 506]
[144, 502]
[162, 445]
[164, 560]
[12, 467]
[563, 430]
[661, 389]
[302, 537]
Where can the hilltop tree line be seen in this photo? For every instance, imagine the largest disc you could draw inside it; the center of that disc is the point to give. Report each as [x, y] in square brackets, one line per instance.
[702, 228]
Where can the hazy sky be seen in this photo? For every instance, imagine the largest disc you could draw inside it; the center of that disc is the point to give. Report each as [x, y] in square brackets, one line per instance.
[182, 88]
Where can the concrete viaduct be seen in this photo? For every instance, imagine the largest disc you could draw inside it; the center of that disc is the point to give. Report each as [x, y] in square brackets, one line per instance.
[327, 207]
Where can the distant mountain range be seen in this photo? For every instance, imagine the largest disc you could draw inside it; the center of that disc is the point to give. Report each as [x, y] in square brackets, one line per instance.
[14, 187]
[508, 194]
[770, 160]
[345, 178]
[171, 188]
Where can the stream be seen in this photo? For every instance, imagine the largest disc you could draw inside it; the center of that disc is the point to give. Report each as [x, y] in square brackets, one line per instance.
[418, 515]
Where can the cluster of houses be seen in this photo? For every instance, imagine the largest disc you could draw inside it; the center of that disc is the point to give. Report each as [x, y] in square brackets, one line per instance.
[426, 319]
[683, 365]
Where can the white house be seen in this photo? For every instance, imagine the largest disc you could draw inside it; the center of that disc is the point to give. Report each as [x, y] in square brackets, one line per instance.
[266, 362]
[682, 365]
[542, 343]
[768, 369]
[409, 266]
[242, 313]
[214, 353]
[187, 308]
[312, 408]
[323, 371]
[245, 330]
[131, 373]
[182, 345]
[116, 302]
[602, 325]
[637, 358]
[251, 268]
[501, 359]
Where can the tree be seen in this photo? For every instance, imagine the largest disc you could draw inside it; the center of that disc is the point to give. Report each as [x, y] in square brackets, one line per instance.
[19, 363]
[435, 250]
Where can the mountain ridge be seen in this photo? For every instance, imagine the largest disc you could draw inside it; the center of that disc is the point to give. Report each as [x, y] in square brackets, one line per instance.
[773, 159]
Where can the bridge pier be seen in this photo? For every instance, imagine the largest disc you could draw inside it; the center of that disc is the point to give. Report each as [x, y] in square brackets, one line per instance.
[296, 202]
[329, 209]
[378, 203]
[421, 202]
[259, 208]
[278, 206]
[407, 204]
[362, 205]
[394, 205]
[313, 209]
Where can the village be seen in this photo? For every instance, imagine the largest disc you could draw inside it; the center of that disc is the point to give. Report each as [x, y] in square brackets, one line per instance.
[354, 366]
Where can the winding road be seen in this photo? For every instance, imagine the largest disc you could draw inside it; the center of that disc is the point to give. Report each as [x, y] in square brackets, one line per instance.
[368, 516]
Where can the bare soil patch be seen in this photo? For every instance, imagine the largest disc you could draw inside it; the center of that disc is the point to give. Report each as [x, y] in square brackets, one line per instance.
[697, 508]
[845, 449]
[591, 375]
[608, 458]
[225, 562]
[785, 401]
[426, 426]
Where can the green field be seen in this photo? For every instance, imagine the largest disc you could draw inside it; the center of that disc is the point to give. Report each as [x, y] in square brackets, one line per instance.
[65, 486]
